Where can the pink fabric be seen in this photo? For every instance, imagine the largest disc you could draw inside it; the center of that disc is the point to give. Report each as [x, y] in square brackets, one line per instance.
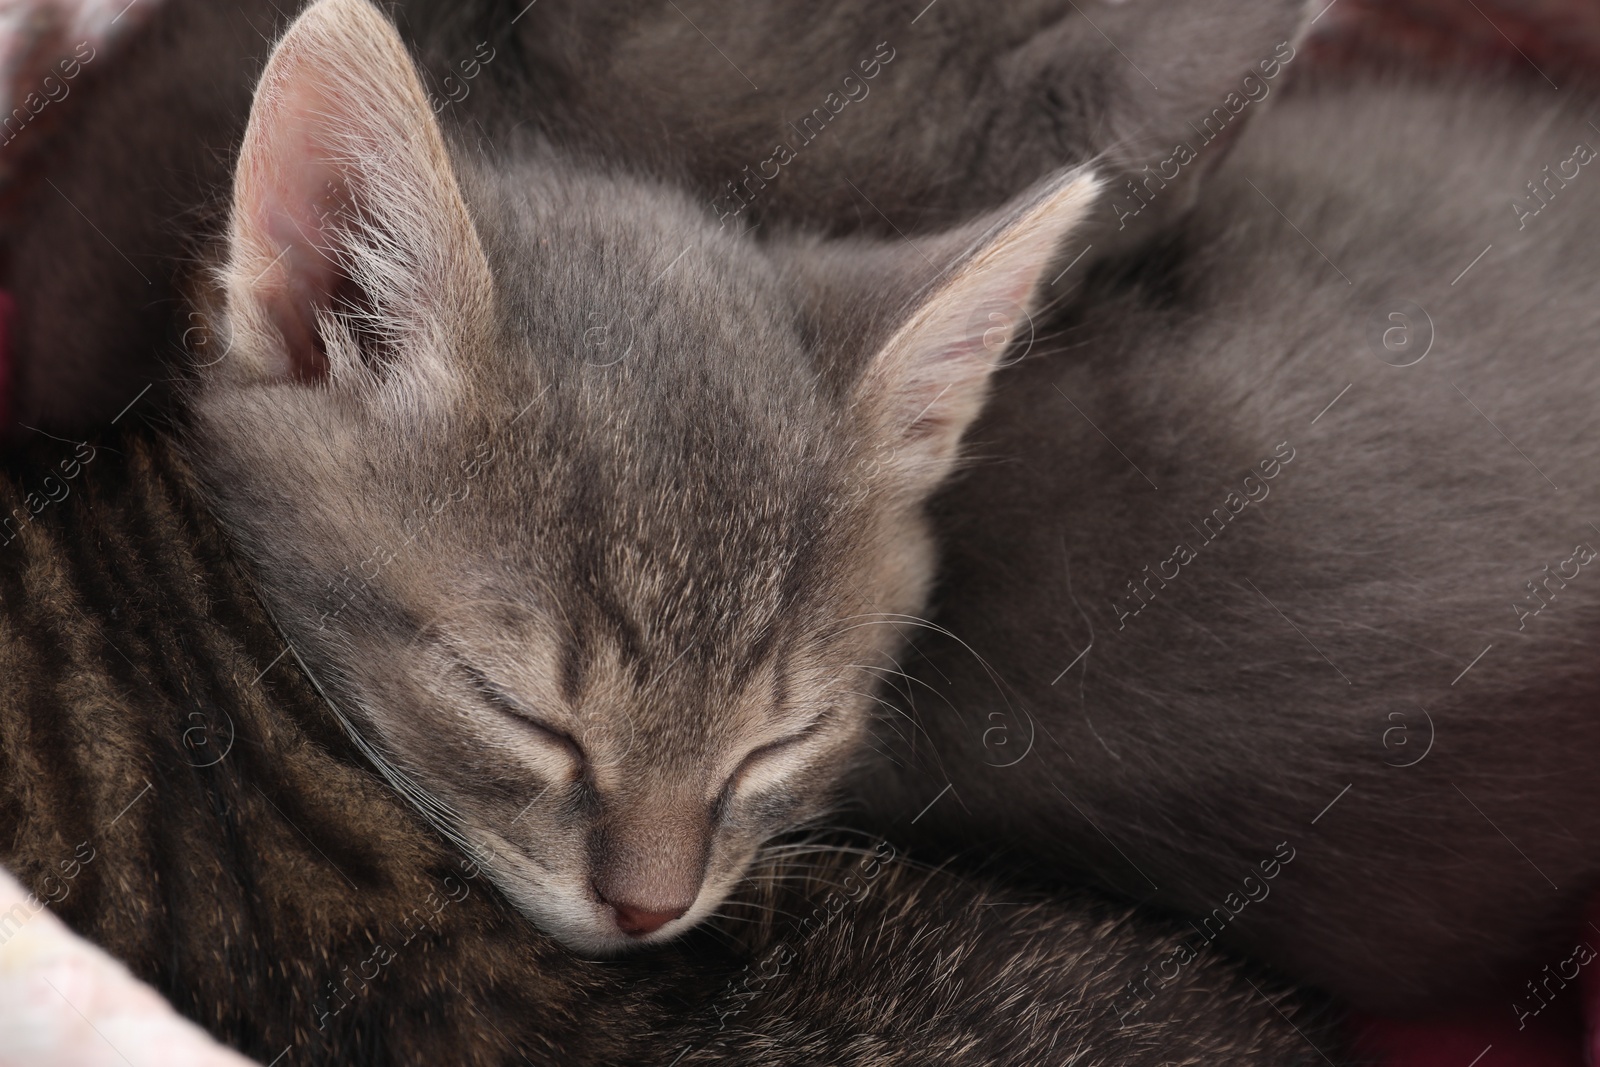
[1486, 1037]
[1591, 992]
[7, 375]
[66, 1003]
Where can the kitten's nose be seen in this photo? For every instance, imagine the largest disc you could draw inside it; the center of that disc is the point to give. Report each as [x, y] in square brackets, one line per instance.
[649, 861]
[637, 922]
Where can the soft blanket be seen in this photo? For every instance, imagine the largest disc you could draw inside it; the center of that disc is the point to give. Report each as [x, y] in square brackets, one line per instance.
[64, 1003]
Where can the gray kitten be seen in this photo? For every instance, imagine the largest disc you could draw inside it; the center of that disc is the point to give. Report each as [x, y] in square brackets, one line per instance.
[564, 495]
[968, 105]
[904, 116]
[1271, 596]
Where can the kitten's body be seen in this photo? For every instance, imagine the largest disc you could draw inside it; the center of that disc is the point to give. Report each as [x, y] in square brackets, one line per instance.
[173, 784]
[902, 116]
[1356, 664]
[972, 108]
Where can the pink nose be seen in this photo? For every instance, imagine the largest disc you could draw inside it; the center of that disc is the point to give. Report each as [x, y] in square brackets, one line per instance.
[637, 922]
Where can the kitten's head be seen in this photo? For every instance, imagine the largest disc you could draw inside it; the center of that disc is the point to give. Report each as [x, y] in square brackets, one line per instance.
[594, 521]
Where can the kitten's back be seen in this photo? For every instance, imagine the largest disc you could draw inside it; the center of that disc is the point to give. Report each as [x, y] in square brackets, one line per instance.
[1244, 554]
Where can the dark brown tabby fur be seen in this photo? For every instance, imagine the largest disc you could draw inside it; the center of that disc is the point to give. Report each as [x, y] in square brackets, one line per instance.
[249, 864]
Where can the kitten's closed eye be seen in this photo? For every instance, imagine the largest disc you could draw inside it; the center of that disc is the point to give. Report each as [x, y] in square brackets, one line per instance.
[767, 756]
[512, 708]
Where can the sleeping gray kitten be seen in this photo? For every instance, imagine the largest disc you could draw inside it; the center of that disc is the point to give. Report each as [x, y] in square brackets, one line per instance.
[1284, 549]
[900, 116]
[568, 498]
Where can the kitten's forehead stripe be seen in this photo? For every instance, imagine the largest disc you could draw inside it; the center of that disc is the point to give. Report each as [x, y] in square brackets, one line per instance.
[571, 677]
[608, 610]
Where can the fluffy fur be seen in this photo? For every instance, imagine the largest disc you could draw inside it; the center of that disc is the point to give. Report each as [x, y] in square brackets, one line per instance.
[1359, 533]
[928, 112]
[174, 786]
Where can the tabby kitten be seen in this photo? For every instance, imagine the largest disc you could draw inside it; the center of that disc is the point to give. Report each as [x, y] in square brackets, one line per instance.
[175, 788]
[616, 615]
[1286, 547]
[968, 107]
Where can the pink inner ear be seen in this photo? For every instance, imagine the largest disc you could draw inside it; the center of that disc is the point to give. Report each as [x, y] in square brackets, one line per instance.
[957, 360]
[345, 201]
[305, 280]
[292, 206]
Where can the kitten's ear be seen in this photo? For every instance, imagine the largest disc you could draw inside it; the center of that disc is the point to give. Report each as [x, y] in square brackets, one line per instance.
[350, 242]
[925, 385]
